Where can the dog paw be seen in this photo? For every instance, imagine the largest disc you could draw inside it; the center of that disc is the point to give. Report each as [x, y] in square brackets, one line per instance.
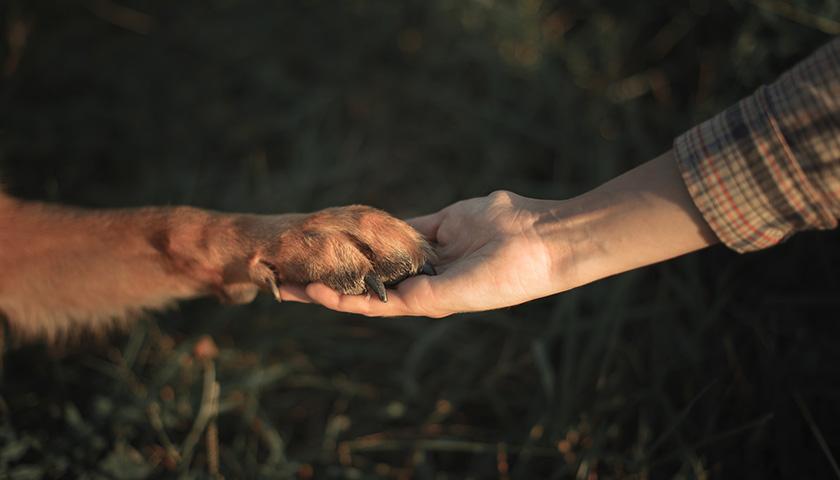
[353, 250]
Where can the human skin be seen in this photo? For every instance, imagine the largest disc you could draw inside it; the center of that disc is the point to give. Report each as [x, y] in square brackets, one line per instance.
[505, 249]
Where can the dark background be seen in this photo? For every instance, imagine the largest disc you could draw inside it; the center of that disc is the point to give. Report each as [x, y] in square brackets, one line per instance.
[711, 366]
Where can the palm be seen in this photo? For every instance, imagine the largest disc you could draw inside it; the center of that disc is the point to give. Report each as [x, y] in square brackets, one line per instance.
[484, 267]
[489, 256]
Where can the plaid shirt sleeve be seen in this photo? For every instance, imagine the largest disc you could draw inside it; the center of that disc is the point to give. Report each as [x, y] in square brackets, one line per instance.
[769, 166]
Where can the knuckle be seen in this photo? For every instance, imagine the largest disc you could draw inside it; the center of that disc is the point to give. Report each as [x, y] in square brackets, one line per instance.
[502, 196]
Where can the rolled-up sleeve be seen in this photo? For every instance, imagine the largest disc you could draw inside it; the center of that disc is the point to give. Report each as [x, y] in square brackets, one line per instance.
[769, 166]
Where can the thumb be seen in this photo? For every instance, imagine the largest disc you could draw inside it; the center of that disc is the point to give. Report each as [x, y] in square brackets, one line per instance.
[427, 225]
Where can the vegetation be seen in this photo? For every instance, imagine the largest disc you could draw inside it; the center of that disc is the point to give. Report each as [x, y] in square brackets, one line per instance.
[711, 366]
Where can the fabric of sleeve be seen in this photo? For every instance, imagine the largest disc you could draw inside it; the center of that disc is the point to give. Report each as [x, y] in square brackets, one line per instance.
[769, 166]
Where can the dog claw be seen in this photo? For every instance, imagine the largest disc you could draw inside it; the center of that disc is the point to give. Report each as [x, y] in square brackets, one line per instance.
[374, 283]
[276, 291]
[274, 280]
[428, 269]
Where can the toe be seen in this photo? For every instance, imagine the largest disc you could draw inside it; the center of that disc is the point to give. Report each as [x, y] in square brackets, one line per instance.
[428, 269]
[375, 285]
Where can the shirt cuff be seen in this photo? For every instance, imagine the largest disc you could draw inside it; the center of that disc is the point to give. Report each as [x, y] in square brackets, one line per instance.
[745, 180]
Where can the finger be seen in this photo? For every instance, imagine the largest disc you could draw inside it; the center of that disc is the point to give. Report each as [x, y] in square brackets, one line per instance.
[428, 269]
[294, 293]
[412, 297]
[418, 297]
[441, 268]
[450, 252]
[427, 225]
[358, 304]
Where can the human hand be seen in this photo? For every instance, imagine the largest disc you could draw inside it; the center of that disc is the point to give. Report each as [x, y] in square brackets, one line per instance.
[504, 249]
[491, 254]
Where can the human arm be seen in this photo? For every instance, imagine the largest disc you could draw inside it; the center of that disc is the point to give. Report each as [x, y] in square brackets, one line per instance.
[751, 176]
[505, 249]
[769, 166]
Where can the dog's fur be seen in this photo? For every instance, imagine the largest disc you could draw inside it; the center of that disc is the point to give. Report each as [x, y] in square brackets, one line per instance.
[64, 270]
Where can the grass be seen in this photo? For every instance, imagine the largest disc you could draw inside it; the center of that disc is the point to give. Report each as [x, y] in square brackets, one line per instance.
[711, 366]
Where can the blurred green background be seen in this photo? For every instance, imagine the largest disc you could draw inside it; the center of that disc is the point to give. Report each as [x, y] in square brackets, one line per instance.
[711, 366]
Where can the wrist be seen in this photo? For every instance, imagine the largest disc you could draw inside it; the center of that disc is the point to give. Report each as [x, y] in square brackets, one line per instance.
[565, 227]
[208, 247]
[593, 238]
[642, 217]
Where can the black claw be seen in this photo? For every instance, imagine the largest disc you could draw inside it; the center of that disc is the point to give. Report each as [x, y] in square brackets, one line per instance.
[374, 283]
[428, 269]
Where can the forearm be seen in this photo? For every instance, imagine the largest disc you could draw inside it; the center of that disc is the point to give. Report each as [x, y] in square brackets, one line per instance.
[752, 176]
[504, 249]
[63, 269]
[642, 217]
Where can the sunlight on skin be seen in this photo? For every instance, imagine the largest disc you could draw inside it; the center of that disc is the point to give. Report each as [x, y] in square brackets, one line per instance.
[505, 249]
[485, 247]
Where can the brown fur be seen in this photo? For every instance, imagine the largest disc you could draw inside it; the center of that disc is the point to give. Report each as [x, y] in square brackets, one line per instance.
[67, 270]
